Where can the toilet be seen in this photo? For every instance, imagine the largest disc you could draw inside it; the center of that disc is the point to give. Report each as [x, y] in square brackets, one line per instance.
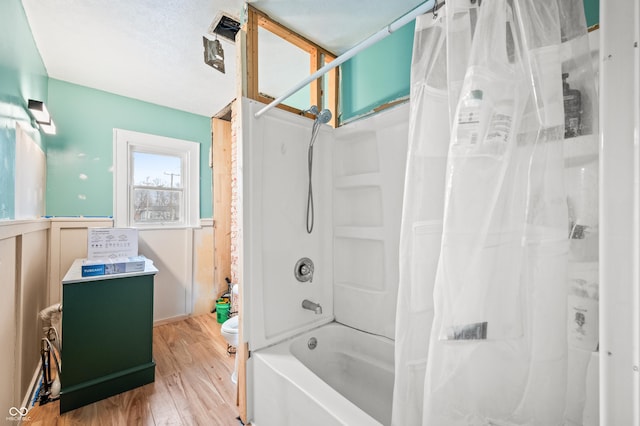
[229, 331]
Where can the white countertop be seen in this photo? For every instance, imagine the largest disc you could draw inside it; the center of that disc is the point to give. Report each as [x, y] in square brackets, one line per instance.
[74, 274]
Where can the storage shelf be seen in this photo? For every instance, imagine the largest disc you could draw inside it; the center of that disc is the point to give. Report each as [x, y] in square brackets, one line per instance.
[358, 180]
[360, 232]
[580, 150]
[359, 287]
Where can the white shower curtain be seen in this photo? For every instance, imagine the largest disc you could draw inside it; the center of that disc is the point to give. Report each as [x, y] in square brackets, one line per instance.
[481, 318]
[423, 204]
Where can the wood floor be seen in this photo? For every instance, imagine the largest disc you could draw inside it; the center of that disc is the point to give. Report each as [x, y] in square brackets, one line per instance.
[192, 387]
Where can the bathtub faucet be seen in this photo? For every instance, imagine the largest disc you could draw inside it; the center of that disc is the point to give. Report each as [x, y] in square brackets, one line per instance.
[315, 307]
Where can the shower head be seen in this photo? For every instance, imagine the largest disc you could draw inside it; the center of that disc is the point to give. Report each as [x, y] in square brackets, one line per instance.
[312, 110]
[324, 116]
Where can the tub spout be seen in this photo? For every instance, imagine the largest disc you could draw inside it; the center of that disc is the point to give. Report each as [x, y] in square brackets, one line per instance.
[315, 307]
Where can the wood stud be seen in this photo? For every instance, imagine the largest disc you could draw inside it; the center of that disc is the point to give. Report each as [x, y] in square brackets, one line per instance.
[317, 54]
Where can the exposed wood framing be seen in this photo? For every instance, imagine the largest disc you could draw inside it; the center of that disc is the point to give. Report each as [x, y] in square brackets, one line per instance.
[252, 54]
[224, 113]
[221, 130]
[242, 351]
[315, 64]
[391, 104]
[317, 57]
[333, 90]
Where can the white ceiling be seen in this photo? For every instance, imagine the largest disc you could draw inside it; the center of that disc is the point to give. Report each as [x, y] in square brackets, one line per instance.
[152, 50]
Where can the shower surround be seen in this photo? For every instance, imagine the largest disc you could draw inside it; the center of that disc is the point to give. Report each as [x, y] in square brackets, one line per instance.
[358, 178]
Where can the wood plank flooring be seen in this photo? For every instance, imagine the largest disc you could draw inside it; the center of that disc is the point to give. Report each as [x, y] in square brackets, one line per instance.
[192, 387]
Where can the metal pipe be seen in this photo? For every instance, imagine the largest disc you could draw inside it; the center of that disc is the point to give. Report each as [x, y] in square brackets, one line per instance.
[389, 29]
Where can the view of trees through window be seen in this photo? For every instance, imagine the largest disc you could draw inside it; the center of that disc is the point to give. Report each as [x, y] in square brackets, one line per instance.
[157, 190]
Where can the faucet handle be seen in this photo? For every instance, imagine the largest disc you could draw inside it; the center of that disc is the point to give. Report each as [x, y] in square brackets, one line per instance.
[303, 271]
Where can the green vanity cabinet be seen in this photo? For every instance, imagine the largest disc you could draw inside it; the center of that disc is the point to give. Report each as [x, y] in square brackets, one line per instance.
[107, 330]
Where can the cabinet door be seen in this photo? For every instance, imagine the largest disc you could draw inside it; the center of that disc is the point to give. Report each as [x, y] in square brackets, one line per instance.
[107, 327]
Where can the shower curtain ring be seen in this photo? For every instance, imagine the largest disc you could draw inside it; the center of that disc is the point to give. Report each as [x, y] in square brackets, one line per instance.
[434, 10]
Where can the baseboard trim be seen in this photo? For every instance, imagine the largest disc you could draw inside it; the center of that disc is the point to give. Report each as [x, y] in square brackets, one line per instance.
[33, 386]
[76, 396]
[170, 320]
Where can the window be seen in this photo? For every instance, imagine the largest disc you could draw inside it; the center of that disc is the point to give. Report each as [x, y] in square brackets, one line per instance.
[155, 181]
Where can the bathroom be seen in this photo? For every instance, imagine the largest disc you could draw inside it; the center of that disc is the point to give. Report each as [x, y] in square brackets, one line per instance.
[359, 177]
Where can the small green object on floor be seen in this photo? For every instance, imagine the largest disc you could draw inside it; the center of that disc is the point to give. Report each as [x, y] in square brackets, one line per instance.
[222, 310]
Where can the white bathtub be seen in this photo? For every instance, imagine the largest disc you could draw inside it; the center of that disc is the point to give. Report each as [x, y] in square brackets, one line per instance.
[346, 380]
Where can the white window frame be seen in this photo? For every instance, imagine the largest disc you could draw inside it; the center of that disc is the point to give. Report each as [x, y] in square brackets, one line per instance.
[125, 142]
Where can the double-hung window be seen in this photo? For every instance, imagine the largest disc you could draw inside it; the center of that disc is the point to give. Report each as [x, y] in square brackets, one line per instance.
[155, 181]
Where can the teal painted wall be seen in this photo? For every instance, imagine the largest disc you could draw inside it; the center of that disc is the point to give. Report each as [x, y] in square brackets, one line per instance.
[382, 73]
[22, 77]
[592, 12]
[377, 75]
[85, 119]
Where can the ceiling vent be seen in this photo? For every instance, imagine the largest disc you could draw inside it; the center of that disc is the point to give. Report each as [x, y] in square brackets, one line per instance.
[225, 26]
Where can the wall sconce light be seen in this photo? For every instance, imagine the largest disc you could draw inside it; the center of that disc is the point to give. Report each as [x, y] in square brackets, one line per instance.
[43, 118]
[213, 54]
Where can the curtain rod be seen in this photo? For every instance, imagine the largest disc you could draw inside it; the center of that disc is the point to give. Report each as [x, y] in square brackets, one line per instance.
[389, 29]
